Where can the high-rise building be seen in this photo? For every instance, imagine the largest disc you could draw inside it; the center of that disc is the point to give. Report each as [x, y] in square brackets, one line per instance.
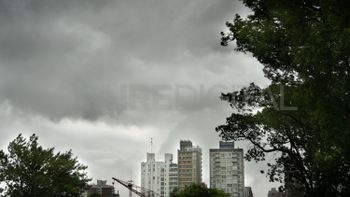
[173, 177]
[189, 160]
[274, 193]
[156, 176]
[171, 173]
[248, 192]
[227, 169]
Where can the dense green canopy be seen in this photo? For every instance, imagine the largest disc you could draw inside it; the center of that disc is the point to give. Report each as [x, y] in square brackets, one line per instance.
[198, 191]
[30, 170]
[304, 46]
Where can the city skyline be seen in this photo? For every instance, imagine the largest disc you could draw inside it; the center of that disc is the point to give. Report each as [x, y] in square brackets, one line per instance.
[244, 96]
[85, 75]
[226, 169]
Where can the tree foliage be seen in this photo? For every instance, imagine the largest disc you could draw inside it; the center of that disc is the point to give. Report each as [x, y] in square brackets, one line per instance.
[31, 170]
[304, 46]
[95, 195]
[198, 191]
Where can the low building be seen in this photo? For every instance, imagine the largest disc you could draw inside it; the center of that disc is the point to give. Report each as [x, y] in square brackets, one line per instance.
[102, 189]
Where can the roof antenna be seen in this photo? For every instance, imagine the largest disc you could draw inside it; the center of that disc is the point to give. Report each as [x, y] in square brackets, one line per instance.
[151, 145]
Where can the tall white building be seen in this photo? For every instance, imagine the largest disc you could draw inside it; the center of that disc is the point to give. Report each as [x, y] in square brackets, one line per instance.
[227, 169]
[173, 177]
[189, 160]
[157, 176]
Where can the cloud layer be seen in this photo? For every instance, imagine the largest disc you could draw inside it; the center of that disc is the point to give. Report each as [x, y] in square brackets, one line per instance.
[103, 77]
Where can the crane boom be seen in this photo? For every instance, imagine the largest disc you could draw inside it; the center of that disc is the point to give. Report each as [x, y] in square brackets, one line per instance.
[129, 186]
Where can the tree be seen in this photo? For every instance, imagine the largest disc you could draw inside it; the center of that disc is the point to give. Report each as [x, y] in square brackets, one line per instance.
[31, 170]
[198, 191]
[95, 195]
[304, 46]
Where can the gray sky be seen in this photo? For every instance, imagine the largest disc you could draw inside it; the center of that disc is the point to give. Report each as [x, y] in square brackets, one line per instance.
[102, 77]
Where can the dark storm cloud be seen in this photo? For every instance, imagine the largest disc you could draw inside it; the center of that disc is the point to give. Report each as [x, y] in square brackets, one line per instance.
[98, 76]
[72, 58]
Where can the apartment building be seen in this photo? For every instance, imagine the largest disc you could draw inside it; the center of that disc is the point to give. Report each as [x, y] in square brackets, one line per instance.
[227, 169]
[158, 176]
[189, 164]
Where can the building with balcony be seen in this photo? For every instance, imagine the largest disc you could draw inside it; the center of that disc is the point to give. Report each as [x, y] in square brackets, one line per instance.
[158, 177]
[227, 169]
[189, 159]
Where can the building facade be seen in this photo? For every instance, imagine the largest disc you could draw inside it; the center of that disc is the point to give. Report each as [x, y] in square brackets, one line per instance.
[173, 177]
[189, 164]
[227, 169]
[156, 175]
[102, 189]
[171, 174]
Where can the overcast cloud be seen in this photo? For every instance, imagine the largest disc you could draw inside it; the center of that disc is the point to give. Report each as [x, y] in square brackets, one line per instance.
[102, 77]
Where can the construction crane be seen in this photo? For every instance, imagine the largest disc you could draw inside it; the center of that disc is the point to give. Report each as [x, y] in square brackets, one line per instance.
[135, 189]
